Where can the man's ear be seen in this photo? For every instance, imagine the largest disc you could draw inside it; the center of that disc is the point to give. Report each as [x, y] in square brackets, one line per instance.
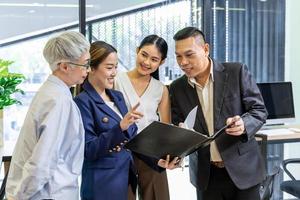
[162, 62]
[206, 49]
[63, 66]
[137, 50]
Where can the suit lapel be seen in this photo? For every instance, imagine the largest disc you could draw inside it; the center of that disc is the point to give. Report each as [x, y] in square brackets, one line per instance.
[220, 84]
[105, 108]
[100, 102]
[118, 102]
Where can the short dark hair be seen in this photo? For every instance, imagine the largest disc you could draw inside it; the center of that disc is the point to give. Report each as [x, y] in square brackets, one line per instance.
[188, 32]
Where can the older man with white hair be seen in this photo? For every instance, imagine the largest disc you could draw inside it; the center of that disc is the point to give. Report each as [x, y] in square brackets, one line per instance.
[48, 156]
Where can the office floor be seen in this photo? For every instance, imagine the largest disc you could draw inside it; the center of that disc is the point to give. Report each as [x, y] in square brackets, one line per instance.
[180, 186]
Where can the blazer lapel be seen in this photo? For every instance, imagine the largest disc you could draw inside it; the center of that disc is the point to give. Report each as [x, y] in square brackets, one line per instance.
[118, 102]
[220, 85]
[99, 101]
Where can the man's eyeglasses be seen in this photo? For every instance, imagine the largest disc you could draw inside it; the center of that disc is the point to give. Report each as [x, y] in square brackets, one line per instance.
[86, 66]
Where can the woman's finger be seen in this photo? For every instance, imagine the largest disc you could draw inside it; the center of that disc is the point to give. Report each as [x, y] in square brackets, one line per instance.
[133, 115]
[135, 106]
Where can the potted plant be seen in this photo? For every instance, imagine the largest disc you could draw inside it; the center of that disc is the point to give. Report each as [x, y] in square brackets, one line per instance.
[8, 86]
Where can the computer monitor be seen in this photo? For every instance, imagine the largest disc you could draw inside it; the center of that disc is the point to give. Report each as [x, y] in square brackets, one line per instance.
[278, 98]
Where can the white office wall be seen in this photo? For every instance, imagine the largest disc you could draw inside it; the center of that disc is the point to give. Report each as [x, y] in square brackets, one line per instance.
[292, 49]
[292, 72]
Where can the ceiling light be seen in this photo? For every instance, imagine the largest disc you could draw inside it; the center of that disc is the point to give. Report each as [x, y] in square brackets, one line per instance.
[31, 11]
[21, 5]
[66, 5]
[42, 5]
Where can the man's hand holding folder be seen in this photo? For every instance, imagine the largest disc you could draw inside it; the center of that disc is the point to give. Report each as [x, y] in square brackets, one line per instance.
[159, 139]
[235, 125]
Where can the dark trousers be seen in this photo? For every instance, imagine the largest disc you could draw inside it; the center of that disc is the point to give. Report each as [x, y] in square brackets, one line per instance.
[221, 187]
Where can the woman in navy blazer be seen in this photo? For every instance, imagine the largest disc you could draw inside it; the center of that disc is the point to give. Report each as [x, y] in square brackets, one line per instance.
[108, 167]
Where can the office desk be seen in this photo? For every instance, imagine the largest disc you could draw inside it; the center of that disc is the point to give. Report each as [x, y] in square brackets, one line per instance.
[275, 152]
[287, 138]
[282, 138]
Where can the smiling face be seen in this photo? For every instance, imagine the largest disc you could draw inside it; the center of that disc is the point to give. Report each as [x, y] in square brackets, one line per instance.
[192, 56]
[106, 71]
[148, 59]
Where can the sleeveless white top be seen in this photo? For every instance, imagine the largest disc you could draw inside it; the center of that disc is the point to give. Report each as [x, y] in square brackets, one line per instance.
[149, 100]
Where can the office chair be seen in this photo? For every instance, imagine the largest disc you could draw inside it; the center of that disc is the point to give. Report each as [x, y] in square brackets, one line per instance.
[291, 186]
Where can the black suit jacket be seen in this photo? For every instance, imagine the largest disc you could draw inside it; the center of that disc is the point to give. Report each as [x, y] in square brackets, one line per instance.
[235, 92]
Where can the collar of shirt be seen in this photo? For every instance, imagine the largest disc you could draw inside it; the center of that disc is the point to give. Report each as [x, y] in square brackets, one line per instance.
[192, 81]
[54, 79]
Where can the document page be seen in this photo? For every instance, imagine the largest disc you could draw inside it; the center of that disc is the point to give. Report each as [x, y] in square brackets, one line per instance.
[189, 121]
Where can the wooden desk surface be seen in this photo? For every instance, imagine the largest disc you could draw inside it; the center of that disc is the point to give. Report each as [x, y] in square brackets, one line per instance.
[285, 137]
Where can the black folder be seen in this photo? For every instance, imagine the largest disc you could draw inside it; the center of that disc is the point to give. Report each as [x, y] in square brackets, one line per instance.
[159, 139]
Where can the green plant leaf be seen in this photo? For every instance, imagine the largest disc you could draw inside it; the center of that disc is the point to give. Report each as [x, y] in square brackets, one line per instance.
[8, 84]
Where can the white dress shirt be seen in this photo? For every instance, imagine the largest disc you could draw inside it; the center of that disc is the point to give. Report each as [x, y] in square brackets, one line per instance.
[48, 156]
[206, 98]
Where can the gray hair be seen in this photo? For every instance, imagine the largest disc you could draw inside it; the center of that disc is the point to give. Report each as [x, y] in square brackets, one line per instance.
[68, 46]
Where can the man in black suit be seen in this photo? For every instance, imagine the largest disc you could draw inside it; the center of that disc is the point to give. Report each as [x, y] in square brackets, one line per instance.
[232, 167]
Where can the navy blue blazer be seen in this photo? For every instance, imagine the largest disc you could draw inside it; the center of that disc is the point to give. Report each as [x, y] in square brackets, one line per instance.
[106, 172]
[235, 92]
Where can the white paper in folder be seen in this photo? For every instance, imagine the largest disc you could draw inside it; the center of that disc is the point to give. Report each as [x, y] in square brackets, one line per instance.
[189, 121]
